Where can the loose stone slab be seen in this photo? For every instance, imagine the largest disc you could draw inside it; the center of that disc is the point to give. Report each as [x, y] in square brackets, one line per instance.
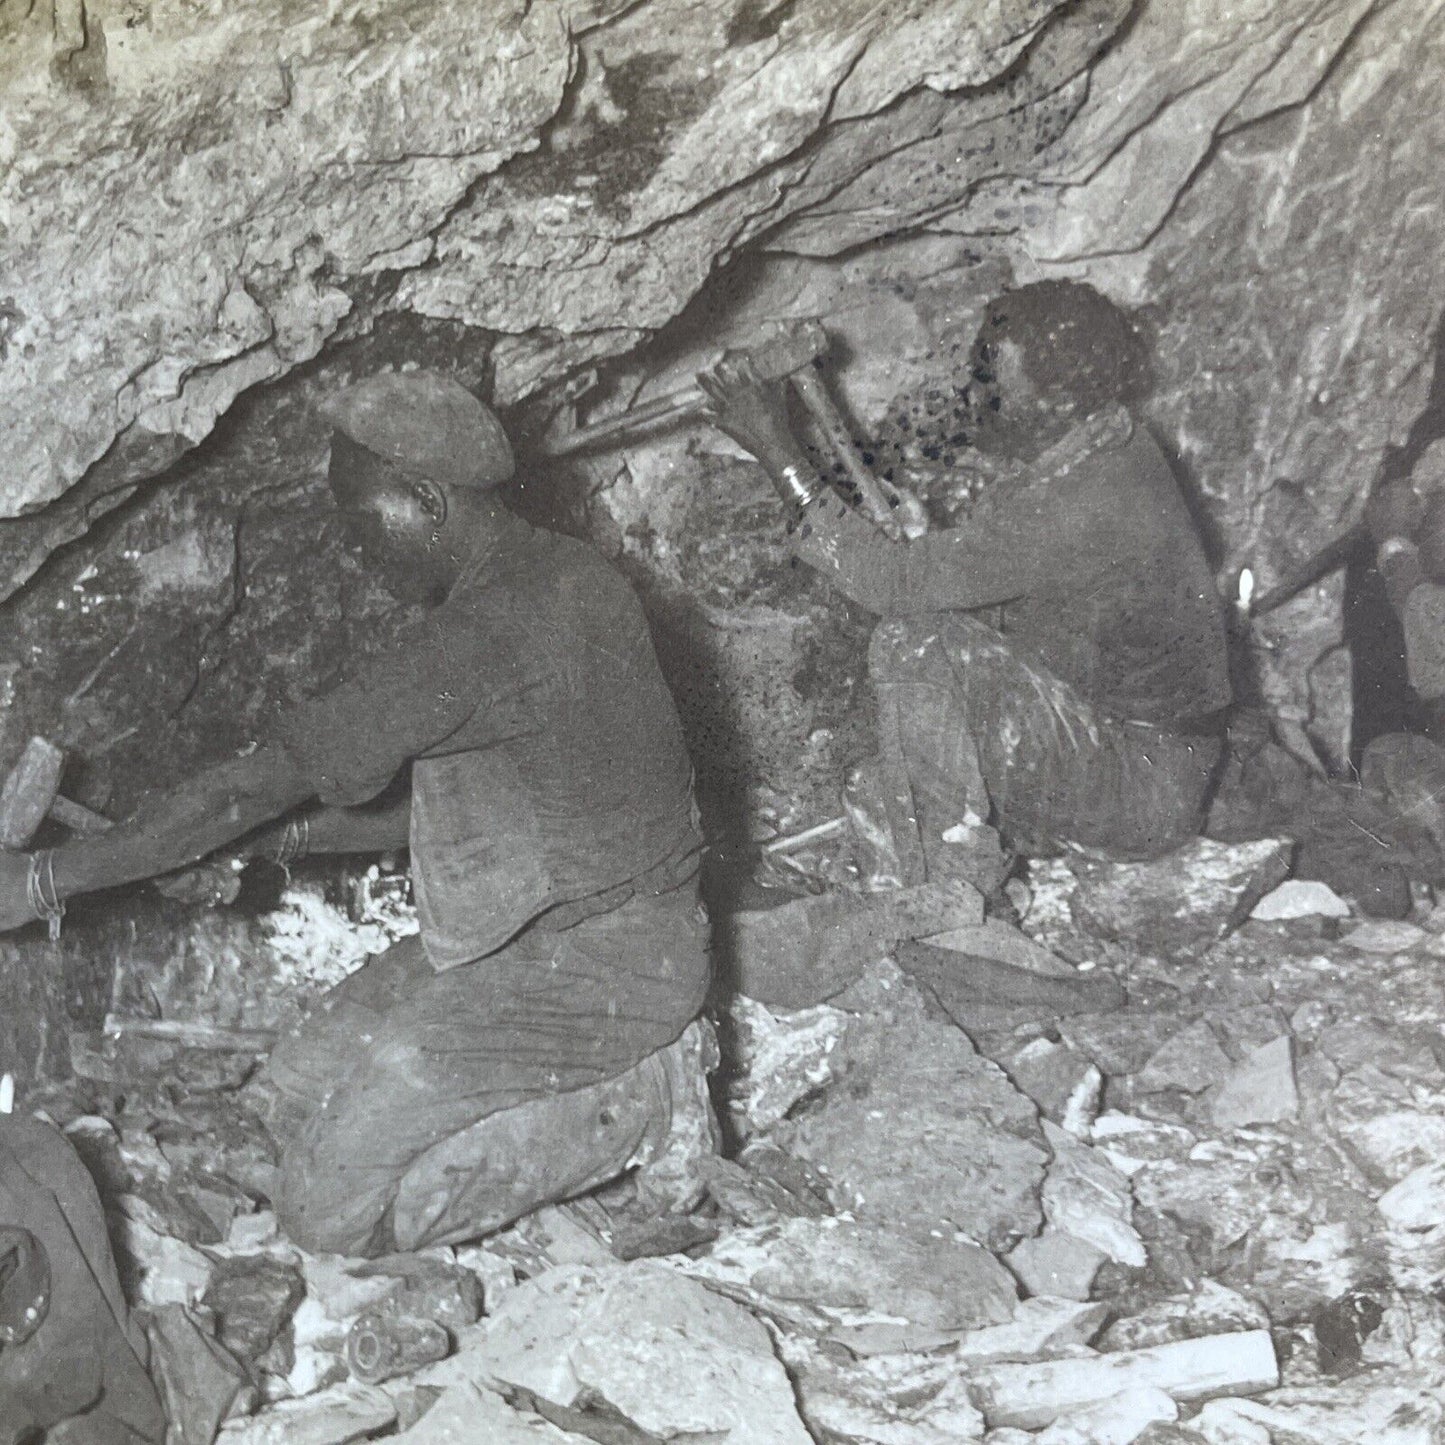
[1119, 1420]
[334, 1417]
[659, 1349]
[1192, 1061]
[1086, 1197]
[1057, 1263]
[1035, 1394]
[922, 1133]
[1386, 936]
[1183, 902]
[1262, 1090]
[842, 1265]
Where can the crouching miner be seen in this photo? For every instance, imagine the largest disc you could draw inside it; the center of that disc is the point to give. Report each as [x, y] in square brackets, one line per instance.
[534, 1039]
[1052, 671]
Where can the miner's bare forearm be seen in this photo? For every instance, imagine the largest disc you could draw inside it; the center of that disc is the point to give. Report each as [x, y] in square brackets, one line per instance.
[175, 829]
[368, 829]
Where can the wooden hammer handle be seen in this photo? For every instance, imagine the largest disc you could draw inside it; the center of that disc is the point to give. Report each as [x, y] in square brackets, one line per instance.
[788, 349]
[873, 501]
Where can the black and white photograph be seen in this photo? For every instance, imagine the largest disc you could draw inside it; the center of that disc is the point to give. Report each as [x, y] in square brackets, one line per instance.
[722, 722]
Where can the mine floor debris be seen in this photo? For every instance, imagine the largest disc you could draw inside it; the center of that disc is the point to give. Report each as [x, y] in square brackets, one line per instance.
[1212, 1214]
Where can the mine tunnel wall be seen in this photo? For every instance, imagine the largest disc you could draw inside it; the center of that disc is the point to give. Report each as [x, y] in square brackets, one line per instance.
[525, 211]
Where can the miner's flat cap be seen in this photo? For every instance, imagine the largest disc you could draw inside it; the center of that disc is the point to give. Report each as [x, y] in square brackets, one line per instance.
[425, 422]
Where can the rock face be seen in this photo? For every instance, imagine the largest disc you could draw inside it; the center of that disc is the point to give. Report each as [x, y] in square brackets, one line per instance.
[566, 181]
[196, 247]
[220, 255]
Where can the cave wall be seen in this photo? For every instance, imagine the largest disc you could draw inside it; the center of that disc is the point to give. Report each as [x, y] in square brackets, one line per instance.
[210, 214]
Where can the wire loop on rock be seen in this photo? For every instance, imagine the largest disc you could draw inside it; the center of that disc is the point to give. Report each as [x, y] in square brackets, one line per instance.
[41, 892]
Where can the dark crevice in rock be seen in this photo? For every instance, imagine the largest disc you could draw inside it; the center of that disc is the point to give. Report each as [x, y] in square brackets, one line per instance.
[1382, 699]
[910, 148]
[1222, 133]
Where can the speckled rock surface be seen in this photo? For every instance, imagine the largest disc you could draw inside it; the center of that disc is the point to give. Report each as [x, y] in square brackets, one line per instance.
[527, 193]
[161, 261]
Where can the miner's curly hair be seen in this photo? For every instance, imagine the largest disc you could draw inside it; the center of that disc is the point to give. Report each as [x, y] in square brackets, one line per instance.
[1075, 342]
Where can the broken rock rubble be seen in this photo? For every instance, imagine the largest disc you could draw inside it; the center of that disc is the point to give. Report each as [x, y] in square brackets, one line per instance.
[1261, 1090]
[922, 1133]
[847, 1269]
[1118, 1420]
[1060, 1232]
[1380, 1411]
[1037, 1394]
[1180, 903]
[659, 1351]
[782, 1058]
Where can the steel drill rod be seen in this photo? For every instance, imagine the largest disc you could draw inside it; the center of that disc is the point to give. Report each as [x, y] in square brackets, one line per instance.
[838, 441]
[673, 407]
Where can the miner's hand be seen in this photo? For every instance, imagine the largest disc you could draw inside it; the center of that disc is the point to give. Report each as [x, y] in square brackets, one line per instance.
[753, 414]
[15, 909]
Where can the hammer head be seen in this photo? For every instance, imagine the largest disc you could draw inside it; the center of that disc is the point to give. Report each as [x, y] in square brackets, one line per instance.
[28, 792]
[786, 347]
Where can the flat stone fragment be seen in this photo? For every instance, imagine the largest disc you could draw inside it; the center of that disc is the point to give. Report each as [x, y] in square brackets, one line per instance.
[469, 1415]
[1192, 1061]
[645, 1342]
[1119, 1420]
[1300, 898]
[1385, 935]
[1209, 1309]
[898, 1400]
[1086, 1197]
[1129, 1142]
[1417, 1203]
[1375, 1044]
[315, 1367]
[1057, 1263]
[334, 1417]
[252, 1297]
[808, 950]
[1035, 1394]
[1041, 1327]
[1065, 1084]
[992, 938]
[199, 1381]
[1390, 1126]
[249, 1232]
[885, 1337]
[781, 1057]
[1120, 1042]
[1182, 903]
[924, 1134]
[1362, 1411]
[1261, 1090]
[170, 1270]
[836, 1264]
[341, 1293]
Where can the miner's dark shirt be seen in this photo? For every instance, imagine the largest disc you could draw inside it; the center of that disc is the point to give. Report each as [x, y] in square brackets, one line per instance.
[550, 775]
[1093, 563]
